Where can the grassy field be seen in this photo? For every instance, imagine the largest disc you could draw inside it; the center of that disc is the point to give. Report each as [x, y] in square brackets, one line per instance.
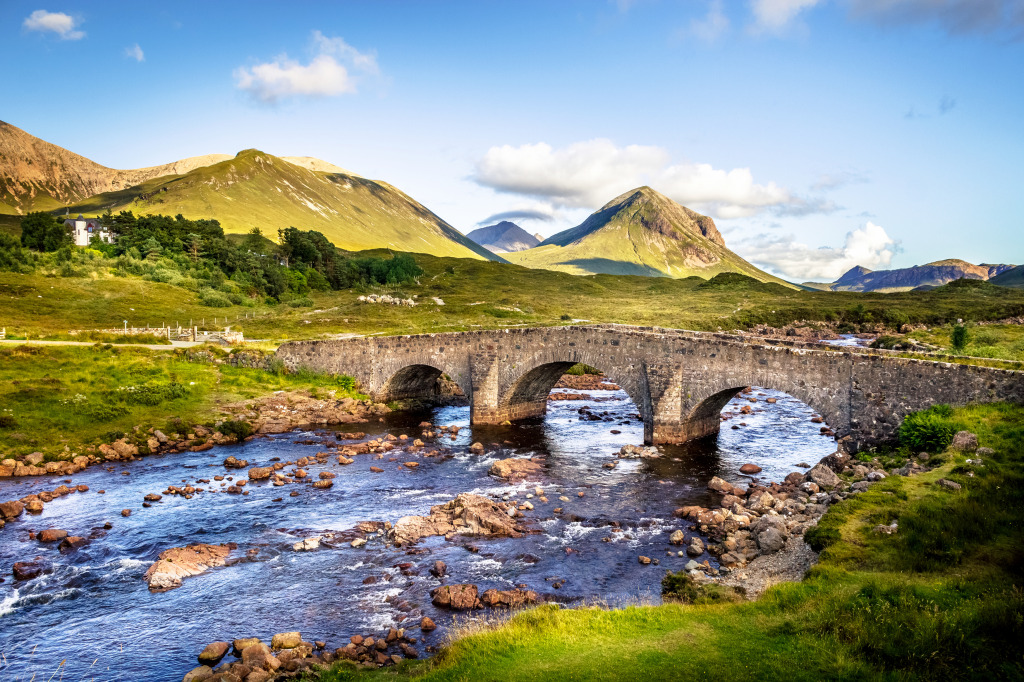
[940, 599]
[57, 399]
[1001, 341]
[482, 295]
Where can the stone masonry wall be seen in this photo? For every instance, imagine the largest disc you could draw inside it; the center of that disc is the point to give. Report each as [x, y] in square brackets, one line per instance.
[678, 380]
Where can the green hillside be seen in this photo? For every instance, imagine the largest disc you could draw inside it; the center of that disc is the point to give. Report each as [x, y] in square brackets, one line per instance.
[255, 189]
[1013, 277]
[641, 232]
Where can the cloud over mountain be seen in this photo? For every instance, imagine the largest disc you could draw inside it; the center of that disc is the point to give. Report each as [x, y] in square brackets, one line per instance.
[584, 174]
[868, 246]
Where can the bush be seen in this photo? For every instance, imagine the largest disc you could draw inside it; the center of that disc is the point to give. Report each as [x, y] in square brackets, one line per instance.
[580, 369]
[239, 428]
[8, 422]
[214, 299]
[148, 394]
[959, 338]
[681, 587]
[930, 430]
[304, 302]
[821, 537]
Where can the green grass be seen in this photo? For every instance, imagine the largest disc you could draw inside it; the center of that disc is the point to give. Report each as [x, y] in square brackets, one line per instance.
[939, 600]
[481, 295]
[1001, 341]
[73, 396]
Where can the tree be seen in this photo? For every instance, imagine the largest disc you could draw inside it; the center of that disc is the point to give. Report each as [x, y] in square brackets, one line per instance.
[959, 338]
[42, 232]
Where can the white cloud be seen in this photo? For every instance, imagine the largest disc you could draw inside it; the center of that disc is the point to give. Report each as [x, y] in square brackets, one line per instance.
[135, 52]
[589, 174]
[713, 25]
[328, 74]
[63, 25]
[776, 15]
[868, 246]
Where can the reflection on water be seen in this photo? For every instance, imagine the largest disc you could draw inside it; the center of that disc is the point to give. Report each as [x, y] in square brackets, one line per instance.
[95, 611]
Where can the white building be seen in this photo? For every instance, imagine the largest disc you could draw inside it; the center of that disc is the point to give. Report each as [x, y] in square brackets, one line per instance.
[84, 229]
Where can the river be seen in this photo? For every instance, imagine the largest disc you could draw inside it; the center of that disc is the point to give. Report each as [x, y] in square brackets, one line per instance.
[95, 612]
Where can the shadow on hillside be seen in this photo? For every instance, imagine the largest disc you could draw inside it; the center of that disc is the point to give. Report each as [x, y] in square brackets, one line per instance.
[607, 266]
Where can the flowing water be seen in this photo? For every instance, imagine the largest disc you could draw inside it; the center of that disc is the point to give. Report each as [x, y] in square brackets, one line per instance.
[95, 612]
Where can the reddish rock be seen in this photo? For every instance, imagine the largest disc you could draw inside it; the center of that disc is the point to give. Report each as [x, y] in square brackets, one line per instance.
[459, 597]
[178, 563]
[427, 624]
[509, 598]
[11, 510]
[515, 468]
[750, 469]
[27, 570]
[52, 535]
[213, 652]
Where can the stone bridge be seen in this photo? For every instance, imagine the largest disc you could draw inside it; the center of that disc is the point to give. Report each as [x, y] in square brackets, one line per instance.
[679, 380]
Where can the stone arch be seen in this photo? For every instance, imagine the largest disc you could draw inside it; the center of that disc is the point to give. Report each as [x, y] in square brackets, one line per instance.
[701, 416]
[420, 380]
[527, 394]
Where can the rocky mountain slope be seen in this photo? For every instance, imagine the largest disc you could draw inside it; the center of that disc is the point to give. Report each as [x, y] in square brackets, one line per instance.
[1014, 277]
[641, 232]
[905, 279]
[504, 237]
[252, 189]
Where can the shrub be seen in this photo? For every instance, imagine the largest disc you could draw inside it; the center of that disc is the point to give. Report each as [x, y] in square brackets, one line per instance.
[580, 369]
[959, 338]
[821, 537]
[214, 299]
[930, 430]
[681, 587]
[239, 428]
[304, 302]
[148, 394]
[8, 422]
[565, 317]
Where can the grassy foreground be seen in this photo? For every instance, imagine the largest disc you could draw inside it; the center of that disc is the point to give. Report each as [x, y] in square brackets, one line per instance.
[940, 599]
[58, 399]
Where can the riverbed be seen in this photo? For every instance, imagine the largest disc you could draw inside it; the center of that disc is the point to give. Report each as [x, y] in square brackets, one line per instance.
[95, 612]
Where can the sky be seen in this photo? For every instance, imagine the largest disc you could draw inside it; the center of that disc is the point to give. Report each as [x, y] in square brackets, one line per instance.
[819, 134]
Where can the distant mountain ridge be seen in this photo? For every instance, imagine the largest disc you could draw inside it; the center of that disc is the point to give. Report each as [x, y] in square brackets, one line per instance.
[641, 232]
[250, 189]
[905, 279]
[504, 237]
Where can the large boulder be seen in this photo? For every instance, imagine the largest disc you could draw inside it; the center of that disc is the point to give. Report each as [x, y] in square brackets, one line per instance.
[213, 652]
[11, 510]
[260, 473]
[509, 598]
[27, 570]
[467, 514]
[178, 563]
[514, 468]
[459, 597]
[770, 541]
[286, 640]
[200, 674]
[823, 476]
[964, 441]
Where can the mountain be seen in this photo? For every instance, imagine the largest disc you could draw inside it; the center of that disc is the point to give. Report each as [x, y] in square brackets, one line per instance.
[1014, 277]
[504, 237]
[251, 189]
[641, 232]
[918, 277]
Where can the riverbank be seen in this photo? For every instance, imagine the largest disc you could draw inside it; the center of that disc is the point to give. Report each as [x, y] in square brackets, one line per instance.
[917, 578]
[60, 403]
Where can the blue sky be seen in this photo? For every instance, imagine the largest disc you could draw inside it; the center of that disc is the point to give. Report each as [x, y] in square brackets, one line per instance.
[820, 134]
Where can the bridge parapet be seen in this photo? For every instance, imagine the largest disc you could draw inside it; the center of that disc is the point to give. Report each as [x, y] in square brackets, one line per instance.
[679, 380]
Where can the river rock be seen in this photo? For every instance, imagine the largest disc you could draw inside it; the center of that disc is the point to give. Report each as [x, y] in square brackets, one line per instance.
[11, 510]
[477, 448]
[509, 598]
[242, 643]
[213, 652]
[307, 545]
[750, 469]
[260, 473]
[52, 535]
[770, 540]
[439, 569]
[27, 570]
[260, 657]
[719, 485]
[72, 542]
[514, 468]
[677, 537]
[467, 514]
[696, 547]
[458, 597]
[285, 640]
[427, 624]
[200, 674]
[823, 476]
[34, 506]
[358, 542]
[964, 441]
[233, 462]
[177, 563]
[153, 497]
[876, 476]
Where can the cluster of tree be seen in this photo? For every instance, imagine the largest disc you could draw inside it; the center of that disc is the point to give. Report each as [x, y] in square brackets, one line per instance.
[42, 232]
[303, 261]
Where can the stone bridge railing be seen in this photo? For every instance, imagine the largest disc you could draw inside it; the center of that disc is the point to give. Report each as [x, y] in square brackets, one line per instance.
[679, 380]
